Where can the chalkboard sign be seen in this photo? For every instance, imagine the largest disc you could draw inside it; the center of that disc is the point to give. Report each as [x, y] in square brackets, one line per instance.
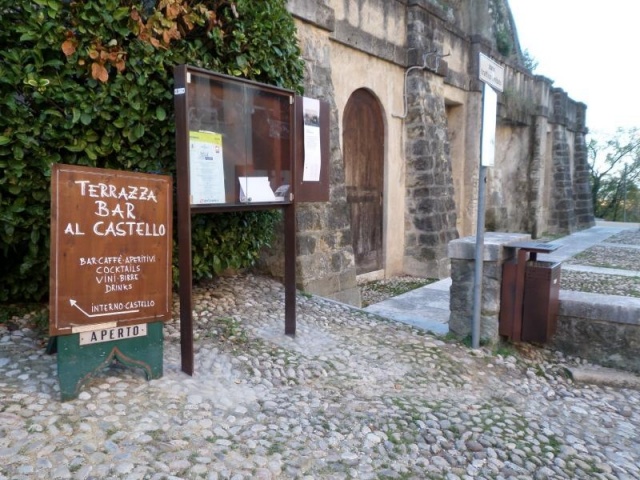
[111, 247]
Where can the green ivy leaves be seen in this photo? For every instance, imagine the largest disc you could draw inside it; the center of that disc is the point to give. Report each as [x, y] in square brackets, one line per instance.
[52, 110]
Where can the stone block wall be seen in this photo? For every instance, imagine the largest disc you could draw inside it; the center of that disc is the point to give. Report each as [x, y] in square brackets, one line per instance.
[543, 185]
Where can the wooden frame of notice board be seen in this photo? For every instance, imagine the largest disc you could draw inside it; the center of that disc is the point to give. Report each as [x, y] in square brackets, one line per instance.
[236, 149]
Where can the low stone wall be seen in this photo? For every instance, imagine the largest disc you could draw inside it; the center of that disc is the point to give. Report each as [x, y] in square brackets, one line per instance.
[604, 329]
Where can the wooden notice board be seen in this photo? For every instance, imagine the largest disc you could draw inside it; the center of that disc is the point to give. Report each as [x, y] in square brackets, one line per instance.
[235, 152]
[111, 247]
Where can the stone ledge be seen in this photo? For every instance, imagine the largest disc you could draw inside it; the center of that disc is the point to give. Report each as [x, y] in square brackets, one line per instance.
[310, 11]
[604, 376]
[595, 306]
[604, 329]
[465, 248]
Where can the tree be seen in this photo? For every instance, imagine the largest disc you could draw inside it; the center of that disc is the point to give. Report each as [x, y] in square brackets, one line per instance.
[614, 170]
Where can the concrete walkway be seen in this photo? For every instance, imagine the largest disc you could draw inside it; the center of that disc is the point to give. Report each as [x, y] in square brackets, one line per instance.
[428, 307]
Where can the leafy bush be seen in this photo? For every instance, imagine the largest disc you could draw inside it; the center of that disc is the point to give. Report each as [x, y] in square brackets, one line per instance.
[90, 83]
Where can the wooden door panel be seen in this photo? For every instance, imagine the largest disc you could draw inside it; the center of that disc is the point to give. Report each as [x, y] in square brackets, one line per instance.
[363, 142]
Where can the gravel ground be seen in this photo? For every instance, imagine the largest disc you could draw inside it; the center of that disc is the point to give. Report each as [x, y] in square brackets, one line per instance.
[599, 283]
[380, 290]
[621, 252]
[629, 237]
[610, 255]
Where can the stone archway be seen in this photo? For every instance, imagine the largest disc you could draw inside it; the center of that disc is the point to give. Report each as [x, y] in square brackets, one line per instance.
[363, 143]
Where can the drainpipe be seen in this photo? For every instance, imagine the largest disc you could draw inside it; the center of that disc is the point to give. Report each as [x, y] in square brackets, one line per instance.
[424, 66]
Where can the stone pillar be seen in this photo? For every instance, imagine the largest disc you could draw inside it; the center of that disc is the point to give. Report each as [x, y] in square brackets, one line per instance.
[430, 215]
[563, 214]
[563, 217]
[462, 256]
[581, 180]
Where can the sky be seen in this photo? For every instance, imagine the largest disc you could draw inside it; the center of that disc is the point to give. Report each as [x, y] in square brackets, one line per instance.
[589, 49]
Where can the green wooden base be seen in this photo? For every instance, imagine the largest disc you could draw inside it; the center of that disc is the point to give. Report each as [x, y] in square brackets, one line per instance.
[78, 363]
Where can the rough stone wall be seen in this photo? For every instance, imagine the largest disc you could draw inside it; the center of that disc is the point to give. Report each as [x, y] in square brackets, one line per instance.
[542, 143]
[430, 209]
[325, 262]
[539, 183]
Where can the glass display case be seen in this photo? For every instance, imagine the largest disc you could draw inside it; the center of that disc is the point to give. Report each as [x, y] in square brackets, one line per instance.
[235, 138]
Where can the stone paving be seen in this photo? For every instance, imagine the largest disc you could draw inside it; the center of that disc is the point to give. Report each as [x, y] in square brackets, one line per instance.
[351, 396]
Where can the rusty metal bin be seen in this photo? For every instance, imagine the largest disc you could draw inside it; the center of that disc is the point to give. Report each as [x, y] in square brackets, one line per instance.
[529, 294]
[540, 303]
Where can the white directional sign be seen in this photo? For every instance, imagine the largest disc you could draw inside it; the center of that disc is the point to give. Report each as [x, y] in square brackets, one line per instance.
[491, 72]
[489, 115]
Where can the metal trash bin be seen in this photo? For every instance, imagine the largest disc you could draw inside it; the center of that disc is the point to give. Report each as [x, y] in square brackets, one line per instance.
[529, 294]
[541, 302]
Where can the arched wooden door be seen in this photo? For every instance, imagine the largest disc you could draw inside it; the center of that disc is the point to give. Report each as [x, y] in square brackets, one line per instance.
[363, 143]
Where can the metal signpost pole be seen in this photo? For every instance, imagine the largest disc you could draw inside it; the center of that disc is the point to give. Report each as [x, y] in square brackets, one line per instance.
[492, 76]
[479, 257]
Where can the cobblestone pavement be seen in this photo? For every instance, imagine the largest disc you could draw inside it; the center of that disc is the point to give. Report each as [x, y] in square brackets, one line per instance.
[351, 396]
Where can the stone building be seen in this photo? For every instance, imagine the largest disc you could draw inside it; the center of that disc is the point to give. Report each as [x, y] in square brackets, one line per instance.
[401, 77]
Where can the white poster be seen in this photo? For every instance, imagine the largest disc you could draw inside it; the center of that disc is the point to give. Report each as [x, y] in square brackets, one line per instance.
[206, 170]
[312, 157]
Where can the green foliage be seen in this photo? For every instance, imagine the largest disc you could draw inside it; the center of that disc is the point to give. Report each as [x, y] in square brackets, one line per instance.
[615, 170]
[503, 42]
[530, 62]
[232, 241]
[90, 83]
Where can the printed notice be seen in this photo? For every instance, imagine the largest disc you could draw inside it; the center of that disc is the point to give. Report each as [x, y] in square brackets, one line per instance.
[206, 170]
[312, 157]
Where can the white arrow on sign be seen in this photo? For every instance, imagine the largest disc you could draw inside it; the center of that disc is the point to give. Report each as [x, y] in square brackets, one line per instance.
[75, 304]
